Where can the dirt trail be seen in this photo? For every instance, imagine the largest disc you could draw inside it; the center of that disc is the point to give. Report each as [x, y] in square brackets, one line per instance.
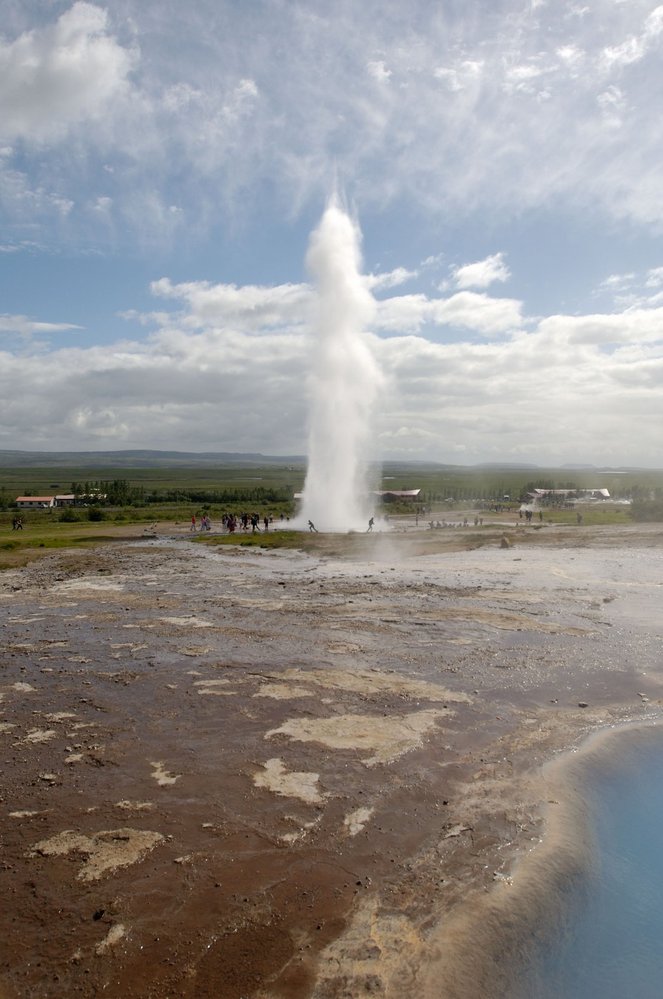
[234, 772]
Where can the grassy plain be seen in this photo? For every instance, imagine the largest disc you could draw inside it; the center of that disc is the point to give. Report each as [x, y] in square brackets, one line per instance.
[435, 481]
[47, 480]
[446, 492]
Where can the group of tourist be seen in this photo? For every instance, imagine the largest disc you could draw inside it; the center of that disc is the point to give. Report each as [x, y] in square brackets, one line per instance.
[233, 522]
[529, 514]
[205, 523]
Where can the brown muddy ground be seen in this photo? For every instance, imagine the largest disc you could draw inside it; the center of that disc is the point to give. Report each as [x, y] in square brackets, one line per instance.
[242, 773]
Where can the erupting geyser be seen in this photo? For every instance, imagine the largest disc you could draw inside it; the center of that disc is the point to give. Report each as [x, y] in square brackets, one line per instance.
[344, 380]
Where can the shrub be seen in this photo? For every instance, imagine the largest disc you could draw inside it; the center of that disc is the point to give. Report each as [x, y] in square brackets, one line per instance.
[68, 516]
[647, 510]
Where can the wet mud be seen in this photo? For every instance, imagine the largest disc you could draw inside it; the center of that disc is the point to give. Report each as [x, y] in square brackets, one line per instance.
[236, 772]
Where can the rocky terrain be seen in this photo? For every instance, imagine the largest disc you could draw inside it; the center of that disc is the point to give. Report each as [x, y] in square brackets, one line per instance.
[233, 772]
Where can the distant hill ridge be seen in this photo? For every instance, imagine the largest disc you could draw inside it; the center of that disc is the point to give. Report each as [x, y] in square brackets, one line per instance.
[146, 458]
[139, 459]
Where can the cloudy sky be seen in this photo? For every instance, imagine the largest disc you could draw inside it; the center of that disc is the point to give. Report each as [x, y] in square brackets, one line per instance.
[162, 166]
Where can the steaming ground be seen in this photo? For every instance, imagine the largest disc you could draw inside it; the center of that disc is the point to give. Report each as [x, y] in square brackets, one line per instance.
[236, 772]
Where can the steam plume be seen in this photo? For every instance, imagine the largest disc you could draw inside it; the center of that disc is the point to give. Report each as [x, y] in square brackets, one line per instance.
[344, 381]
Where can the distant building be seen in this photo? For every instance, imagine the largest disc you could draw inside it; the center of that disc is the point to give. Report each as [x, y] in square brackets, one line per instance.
[35, 502]
[393, 495]
[567, 495]
[48, 502]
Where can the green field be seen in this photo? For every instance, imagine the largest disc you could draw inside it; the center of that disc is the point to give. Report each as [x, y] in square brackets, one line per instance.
[274, 485]
[437, 482]
[38, 481]
[174, 490]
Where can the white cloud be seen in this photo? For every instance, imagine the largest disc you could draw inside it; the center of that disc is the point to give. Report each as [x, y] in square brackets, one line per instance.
[379, 71]
[654, 23]
[250, 308]
[255, 309]
[631, 50]
[240, 100]
[128, 126]
[618, 281]
[390, 279]
[462, 75]
[571, 55]
[635, 47]
[631, 292]
[654, 277]
[475, 113]
[482, 273]
[61, 74]
[181, 97]
[228, 371]
[478, 312]
[27, 327]
[510, 111]
[612, 105]
[632, 326]
[465, 310]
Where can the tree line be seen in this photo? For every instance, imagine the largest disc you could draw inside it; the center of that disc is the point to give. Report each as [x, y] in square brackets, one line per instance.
[121, 492]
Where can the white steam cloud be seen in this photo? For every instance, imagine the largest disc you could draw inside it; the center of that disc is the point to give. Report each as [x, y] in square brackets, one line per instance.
[344, 382]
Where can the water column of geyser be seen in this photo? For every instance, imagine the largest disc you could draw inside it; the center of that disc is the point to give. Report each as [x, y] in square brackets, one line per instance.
[344, 380]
